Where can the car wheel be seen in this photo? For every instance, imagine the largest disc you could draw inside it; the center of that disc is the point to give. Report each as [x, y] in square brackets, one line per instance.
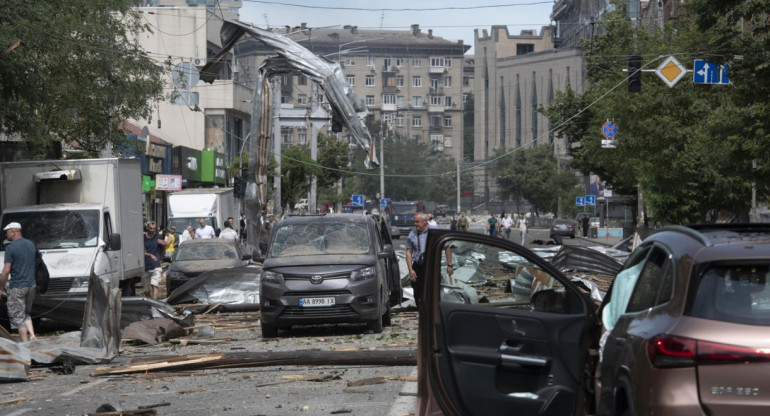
[572, 235]
[386, 318]
[376, 325]
[269, 331]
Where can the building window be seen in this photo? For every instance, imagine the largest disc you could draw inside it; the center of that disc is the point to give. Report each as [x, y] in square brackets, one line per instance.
[465, 98]
[434, 83]
[447, 101]
[447, 141]
[417, 137]
[320, 98]
[302, 138]
[524, 48]
[399, 80]
[399, 62]
[436, 62]
[369, 100]
[399, 121]
[448, 122]
[388, 63]
[466, 81]
[370, 80]
[416, 101]
[370, 60]
[351, 80]
[435, 121]
[285, 99]
[447, 62]
[436, 100]
[350, 61]
[302, 99]
[416, 62]
[388, 98]
[286, 136]
[416, 121]
[400, 101]
[417, 81]
[447, 81]
[302, 80]
[388, 118]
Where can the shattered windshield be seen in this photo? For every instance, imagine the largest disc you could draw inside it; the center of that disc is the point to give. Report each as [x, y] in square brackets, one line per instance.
[191, 252]
[57, 229]
[320, 238]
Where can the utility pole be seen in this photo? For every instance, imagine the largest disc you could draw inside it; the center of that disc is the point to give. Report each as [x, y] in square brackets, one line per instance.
[313, 147]
[276, 109]
[382, 159]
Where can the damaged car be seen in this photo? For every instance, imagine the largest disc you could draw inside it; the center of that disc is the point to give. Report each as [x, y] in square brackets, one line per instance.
[198, 256]
[680, 330]
[329, 268]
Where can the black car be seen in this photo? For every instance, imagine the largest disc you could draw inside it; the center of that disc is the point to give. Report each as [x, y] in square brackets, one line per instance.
[563, 227]
[194, 257]
[328, 269]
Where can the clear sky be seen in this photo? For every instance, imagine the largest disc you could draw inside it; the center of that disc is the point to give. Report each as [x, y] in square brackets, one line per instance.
[449, 19]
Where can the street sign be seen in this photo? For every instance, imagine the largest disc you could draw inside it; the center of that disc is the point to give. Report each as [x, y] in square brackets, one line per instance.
[609, 129]
[590, 200]
[709, 73]
[384, 202]
[579, 201]
[671, 71]
[358, 200]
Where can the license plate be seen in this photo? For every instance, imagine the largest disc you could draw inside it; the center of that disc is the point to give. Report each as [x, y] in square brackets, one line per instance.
[313, 302]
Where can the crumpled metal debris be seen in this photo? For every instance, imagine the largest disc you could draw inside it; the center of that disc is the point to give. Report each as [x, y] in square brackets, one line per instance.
[235, 289]
[154, 331]
[585, 260]
[15, 362]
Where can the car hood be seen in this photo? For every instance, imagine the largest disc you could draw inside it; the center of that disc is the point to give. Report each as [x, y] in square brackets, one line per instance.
[319, 263]
[199, 266]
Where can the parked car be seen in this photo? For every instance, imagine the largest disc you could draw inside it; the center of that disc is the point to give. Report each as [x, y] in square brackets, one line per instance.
[563, 227]
[327, 269]
[594, 222]
[681, 331]
[197, 256]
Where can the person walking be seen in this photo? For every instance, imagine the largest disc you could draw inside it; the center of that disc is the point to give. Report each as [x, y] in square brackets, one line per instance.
[264, 237]
[507, 223]
[432, 222]
[492, 225]
[415, 254]
[523, 229]
[462, 223]
[172, 241]
[205, 230]
[20, 266]
[187, 234]
[453, 224]
[228, 233]
[242, 225]
[152, 269]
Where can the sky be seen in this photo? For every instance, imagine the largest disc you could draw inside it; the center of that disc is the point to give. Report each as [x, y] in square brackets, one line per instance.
[449, 19]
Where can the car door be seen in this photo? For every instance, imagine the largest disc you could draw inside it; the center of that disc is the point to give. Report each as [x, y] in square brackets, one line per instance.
[505, 334]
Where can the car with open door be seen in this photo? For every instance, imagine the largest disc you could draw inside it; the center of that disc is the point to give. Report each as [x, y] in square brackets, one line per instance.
[506, 333]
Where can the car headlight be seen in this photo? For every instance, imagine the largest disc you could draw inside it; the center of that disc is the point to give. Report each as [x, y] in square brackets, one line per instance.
[363, 274]
[176, 275]
[272, 277]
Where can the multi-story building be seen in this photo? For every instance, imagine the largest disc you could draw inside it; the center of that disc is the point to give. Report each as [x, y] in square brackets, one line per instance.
[226, 9]
[411, 80]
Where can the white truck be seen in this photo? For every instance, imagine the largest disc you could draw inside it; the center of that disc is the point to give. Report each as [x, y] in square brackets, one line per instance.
[83, 215]
[188, 206]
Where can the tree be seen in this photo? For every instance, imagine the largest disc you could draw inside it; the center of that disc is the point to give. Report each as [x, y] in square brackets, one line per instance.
[71, 72]
[468, 128]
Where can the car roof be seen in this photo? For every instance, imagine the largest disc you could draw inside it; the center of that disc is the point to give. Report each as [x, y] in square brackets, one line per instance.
[324, 218]
[716, 242]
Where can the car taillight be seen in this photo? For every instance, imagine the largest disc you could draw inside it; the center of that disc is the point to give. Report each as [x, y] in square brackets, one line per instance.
[666, 351]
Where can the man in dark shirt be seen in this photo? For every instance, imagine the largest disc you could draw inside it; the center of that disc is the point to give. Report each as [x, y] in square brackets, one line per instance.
[20, 265]
[152, 269]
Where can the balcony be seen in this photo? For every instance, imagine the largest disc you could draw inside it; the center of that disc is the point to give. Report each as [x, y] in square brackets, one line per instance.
[433, 108]
[436, 91]
[436, 70]
[388, 107]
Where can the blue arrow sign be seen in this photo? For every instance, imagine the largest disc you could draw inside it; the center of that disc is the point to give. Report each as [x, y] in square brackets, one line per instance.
[709, 73]
[590, 199]
[358, 200]
[579, 201]
[384, 202]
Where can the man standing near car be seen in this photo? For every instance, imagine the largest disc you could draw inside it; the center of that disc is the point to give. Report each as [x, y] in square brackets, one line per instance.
[152, 269]
[415, 257]
[205, 230]
[20, 266]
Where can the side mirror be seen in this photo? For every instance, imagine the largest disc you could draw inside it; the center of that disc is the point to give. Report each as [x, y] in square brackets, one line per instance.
[387, 252]
[114, 240]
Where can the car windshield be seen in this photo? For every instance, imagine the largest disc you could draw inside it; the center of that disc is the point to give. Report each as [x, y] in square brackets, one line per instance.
[191, 252]
[404, 209]
[320, 238]
[736, 293]
[57, 229]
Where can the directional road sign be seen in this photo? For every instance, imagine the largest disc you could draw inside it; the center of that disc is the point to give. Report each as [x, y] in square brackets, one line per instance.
[709, 73]
[590, 200]
[358, 200]
[579, 201]
[384, 202]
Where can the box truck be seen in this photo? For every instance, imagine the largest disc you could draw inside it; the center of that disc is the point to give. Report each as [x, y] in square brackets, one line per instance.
[188, 206]
[83, 215]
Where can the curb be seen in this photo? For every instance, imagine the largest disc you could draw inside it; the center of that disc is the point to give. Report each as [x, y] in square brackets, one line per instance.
[406, 403]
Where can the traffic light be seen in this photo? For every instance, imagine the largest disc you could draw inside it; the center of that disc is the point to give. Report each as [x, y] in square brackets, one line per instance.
[634, 72]
[239, 187]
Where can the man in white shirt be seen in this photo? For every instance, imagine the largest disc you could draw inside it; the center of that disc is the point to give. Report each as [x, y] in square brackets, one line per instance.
[187, 234]
[205, 230]
[431, 222]
[228, 233]
[507, 224]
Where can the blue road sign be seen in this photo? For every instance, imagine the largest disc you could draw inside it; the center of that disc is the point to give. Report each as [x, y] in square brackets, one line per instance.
[609, 130]
[709, 73]
[384, 202]
[590, 199]
[358, 200]
[579, 201]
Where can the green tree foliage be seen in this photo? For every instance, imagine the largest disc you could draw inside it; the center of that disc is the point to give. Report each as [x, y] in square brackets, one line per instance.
[468, 129]
[532, 174]
[297, 169]
[689, 147]
[71, 72]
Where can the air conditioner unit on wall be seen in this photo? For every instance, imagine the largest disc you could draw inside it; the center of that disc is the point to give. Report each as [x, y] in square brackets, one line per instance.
[199, 61]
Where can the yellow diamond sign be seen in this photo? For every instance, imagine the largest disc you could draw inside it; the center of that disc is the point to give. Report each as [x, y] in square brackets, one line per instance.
[671, 71]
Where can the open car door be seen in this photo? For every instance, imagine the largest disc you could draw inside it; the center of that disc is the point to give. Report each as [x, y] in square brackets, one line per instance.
[505, 334]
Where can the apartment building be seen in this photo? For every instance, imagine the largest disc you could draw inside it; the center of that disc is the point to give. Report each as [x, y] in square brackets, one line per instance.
[410, 80]
[225, 9]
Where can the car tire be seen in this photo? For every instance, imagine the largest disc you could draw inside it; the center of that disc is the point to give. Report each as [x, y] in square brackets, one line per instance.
[572, 236]
[376, 325]
[386, 318]
[269, 331]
